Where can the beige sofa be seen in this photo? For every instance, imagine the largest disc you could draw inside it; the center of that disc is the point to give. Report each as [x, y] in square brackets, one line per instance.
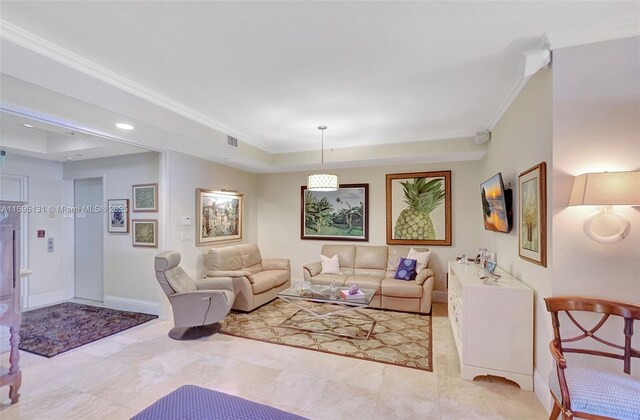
[374, 267]
[255, 280]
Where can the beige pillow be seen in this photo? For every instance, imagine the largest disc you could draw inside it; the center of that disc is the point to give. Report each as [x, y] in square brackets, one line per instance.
[422, 259]
[330, 265]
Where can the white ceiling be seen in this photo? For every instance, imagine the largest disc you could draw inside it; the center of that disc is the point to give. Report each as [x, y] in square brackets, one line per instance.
[270, 72]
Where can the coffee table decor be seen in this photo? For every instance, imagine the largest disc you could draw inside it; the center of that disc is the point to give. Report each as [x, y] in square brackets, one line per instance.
[399, 338]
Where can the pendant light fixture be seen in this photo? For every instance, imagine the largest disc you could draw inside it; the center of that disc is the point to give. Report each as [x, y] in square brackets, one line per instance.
[322, 181]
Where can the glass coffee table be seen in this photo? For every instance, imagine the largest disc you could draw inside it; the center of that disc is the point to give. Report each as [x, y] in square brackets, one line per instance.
[343, 319]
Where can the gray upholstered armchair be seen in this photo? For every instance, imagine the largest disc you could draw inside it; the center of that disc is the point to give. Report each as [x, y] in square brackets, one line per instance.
[197, 306]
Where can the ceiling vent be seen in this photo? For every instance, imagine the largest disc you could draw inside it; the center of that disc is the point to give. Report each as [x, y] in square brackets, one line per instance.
[232, 141]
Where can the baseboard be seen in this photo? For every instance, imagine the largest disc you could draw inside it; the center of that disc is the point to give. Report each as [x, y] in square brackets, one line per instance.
[47, 299]
[441, 296]
[134, 305]
[541, 388]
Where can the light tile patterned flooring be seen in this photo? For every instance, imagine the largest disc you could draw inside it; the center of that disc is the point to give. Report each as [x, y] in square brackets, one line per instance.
[118, 376]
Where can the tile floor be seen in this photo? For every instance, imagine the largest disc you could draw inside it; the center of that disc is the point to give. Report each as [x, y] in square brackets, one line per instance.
[118, 376]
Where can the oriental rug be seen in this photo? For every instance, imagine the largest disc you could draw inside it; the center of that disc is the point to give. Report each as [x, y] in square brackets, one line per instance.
[398, 338]
[55, 329]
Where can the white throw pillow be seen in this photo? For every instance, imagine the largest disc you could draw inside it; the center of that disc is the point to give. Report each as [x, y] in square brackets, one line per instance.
[422, 259]
[330, 265]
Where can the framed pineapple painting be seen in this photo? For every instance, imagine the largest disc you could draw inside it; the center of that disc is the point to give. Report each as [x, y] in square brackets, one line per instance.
[419, 208]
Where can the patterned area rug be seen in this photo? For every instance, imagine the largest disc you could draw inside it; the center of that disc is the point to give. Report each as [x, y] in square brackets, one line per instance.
[397, 338]
[59, 328]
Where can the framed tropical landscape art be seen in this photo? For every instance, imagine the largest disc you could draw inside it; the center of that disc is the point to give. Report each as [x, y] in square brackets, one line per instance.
[419, 208]
[532, 215]
[218, 216]
[335, 215]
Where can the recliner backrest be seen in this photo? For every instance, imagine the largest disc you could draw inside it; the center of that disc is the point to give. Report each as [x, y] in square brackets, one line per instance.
[171, 277]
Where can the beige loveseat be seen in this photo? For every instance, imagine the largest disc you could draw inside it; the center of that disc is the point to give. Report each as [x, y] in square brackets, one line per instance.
[374, 267]
[256, 281]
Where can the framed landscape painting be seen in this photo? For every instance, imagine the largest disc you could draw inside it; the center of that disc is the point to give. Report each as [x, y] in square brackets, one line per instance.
[532, 215]
[118, 216]
[218, 216]
[145, 198]
[341, 215]
[145, 232]
[419, 208]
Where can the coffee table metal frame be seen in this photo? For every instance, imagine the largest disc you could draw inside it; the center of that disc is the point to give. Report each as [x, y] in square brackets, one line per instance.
[323, 294]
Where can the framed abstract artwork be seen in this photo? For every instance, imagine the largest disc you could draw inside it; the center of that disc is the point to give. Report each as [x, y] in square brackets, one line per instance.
[532, 214]
[341, 215]
[419, 208]
[145, 198]
[118, 216]
[145, 232]
[218, 216]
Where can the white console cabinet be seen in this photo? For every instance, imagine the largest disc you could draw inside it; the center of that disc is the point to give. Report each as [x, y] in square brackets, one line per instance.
[492, 324]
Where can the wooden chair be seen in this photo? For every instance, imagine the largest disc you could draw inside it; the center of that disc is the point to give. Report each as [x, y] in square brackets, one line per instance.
[580, 390]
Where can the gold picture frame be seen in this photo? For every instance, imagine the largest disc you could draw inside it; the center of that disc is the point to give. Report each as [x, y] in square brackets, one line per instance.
[218, 216]
[532, 214]
[427, 221]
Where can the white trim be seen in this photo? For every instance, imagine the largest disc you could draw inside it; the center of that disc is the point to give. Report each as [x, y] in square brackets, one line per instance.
[623, 27]
[135, 305]
[47, 299]
[50, 50]
[541, 389]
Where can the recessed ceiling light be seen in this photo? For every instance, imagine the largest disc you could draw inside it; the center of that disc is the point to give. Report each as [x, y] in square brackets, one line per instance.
[124, 126]
[28, 125]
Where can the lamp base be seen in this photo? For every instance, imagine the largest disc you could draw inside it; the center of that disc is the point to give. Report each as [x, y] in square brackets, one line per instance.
[625, 226]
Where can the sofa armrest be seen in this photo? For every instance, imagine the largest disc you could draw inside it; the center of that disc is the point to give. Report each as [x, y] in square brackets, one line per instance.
[239, 273]
[311, 270]
[276, 264]
[215, 283]
[424, 275]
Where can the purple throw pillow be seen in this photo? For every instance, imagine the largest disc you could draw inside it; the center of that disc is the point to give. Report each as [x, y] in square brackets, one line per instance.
[406, 269]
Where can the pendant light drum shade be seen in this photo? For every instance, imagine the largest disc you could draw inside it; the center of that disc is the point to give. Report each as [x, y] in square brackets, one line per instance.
[322, 182]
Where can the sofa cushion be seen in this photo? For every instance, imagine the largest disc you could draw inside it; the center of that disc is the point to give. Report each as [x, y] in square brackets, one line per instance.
[406, 269]
[346, 254]
[371, 257]
[279, 276]
[330, 265]
[401, 288]
[250, 254]
[263, 281]
[365, 282]
[224, 259]
[328, 278]
[256, 268]
[421, 257]
[372, 272]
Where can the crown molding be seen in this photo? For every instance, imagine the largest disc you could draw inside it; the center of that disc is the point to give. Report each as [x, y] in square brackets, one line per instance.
[622, 27]
[34, 43]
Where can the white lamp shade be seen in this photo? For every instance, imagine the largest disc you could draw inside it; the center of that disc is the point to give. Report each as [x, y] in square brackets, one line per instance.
[606, 189]
[322, 182]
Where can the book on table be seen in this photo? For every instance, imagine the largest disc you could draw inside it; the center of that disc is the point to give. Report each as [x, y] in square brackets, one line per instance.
[345, 294]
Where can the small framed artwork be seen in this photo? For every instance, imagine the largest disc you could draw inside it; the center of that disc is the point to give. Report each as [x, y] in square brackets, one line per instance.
[532, 217]
[341, 215]
[145, 198]
[419, 208]
[218, 216]
[118, 216]
[145, 232]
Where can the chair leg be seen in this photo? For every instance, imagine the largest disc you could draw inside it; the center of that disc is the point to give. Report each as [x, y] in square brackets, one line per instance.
[555, 412]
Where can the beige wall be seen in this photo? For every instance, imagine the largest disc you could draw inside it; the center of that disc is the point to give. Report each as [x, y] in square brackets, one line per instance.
[279, 212]
[129, 270]
[521, 139]
[596, 128]
[186, 173]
